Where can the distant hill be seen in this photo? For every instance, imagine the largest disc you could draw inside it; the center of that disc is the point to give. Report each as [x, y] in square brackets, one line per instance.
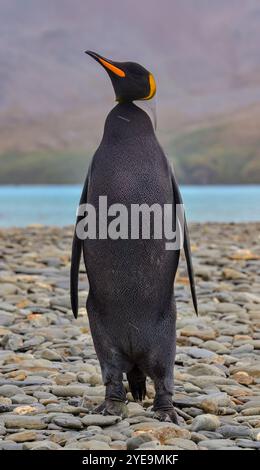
[54, 99]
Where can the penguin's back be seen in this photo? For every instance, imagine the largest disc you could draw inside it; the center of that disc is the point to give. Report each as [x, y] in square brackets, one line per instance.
[129, 167]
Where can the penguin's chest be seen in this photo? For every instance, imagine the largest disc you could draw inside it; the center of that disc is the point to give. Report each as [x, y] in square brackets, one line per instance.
[134, 171]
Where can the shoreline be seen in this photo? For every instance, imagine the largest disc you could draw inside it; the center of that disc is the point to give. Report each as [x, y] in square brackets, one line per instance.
[70, 226]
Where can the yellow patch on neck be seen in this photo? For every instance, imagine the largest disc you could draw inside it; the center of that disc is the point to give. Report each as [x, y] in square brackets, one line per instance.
[152, 87]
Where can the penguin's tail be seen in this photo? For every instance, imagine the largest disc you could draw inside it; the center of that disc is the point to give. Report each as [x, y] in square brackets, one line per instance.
[74, 273]
[136, 380]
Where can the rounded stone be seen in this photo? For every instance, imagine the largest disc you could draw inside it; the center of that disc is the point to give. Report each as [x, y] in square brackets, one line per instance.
[23, 399]
[68, 421]
[46, 445]
[206, 422]
[100, 420]
[240, 431]
[27, 422]
[50, 355]
[184, 444]
[205, 369]
[23, 436]
[9, 390]
[135, 442]
[88, 445]
[217, 444]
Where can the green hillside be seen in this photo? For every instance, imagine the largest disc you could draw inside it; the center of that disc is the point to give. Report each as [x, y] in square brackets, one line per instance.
[223, 152]
[206, 156]
[45, 167]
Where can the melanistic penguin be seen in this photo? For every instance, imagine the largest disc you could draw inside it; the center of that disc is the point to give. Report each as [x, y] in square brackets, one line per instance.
[131, 306]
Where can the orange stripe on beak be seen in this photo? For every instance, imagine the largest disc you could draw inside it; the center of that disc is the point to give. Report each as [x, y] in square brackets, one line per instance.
[112, 67]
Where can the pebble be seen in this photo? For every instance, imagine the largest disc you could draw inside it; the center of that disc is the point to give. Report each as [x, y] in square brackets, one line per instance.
[251, 411]
[23, 436]
[103, 438]
[216, 347]
[151, 445]
[9, 390]
[45, 445]
[88, 445]
[216, 444]
[27, 422]
[50, 355]
[248, 443]
[68, 422]
[7, 289]
[233, 274]
[211, 435]
[134, 409]
[2, 430]
[135, 442]
[243, 378]
[118, 445]
[168, 431]
[199, 353]
[229, 431]
[100, 420]
[205, 369]
[184, 444]
[202, 333]
[254, 370]
[23, 399]
[114, 435]
[65, 378]
[69, 390]
[7, 445]
[206, 422]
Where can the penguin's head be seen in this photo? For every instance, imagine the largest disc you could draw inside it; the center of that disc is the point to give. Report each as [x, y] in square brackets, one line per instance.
[130, 80]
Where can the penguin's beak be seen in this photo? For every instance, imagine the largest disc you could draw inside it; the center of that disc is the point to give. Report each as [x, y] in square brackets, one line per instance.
[107, 64]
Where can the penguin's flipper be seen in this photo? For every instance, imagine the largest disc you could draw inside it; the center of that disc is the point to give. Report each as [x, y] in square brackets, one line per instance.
[186, 243]
[76, 255]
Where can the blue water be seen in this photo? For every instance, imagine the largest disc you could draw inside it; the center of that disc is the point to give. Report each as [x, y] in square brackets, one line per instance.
[56, 205]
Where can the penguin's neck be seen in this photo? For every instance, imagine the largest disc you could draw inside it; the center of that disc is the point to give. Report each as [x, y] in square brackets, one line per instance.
[126, 120]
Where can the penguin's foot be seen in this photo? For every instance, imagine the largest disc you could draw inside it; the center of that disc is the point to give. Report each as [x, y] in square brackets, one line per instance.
[169, 415]
[112, 407]
[163, 408]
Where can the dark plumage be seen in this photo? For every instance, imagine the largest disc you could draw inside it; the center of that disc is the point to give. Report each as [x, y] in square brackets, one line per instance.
[131, 304]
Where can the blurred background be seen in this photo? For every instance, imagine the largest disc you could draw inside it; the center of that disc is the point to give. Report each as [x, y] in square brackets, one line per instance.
[54, 99]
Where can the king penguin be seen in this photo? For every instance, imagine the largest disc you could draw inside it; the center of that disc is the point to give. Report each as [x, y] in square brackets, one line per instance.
[131, 304]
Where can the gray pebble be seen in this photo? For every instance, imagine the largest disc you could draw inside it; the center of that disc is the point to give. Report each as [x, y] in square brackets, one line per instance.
[248, 443]
[217, 444]
[9, 390]
[205, 422]
[26, 422]
[23, 399]
[100, 420]
[68, 422]
[135, 442]
[7, 445]
[229, 431]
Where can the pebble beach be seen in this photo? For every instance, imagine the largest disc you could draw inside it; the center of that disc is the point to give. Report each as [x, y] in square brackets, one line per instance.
[50, 380]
